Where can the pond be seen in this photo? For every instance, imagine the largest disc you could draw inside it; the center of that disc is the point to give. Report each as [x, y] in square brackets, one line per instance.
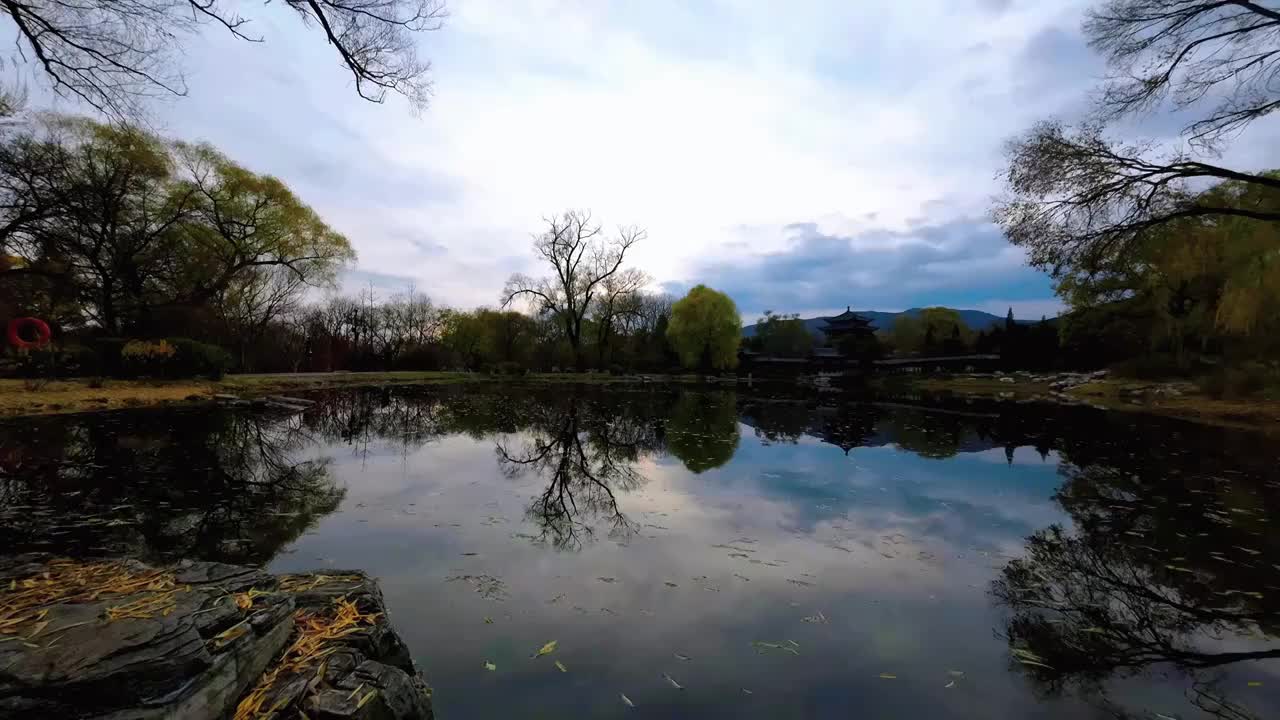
[719, 554]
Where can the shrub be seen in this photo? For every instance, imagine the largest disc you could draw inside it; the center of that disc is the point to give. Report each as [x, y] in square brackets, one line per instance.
[195, 358]
[1153, 366]
[147, 357]
[508, 368]
[1238, 382]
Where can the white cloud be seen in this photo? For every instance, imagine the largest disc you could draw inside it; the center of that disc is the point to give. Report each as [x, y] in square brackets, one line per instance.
[715, 125]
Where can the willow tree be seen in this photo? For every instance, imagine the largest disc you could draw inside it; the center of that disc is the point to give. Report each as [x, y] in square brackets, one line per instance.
[130, 224]
[705, 329]
[1080, 196]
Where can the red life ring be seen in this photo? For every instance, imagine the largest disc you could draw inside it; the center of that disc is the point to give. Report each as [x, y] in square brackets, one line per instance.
[40, 327]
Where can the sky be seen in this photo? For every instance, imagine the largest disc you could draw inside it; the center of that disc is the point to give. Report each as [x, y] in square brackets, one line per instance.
[802, 159]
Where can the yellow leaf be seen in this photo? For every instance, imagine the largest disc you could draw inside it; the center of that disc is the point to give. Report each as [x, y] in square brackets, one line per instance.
[561, 666]
[547, 649]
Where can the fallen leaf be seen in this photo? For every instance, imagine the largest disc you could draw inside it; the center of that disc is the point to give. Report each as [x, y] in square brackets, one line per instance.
[950, 684]
[747, 692]
[684, 658]
[671, 680]
[490, 666]
[626, 700]
[888, 676]
[488, 621]
[561, 667]
[546, 649]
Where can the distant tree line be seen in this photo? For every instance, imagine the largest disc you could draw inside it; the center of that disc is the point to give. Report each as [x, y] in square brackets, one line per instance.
[150, 256]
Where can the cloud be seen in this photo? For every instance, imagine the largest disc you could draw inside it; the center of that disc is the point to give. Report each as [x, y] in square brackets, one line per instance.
[962, 263]
[714, 125]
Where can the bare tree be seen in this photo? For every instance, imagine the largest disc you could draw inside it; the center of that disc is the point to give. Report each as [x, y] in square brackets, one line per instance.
[1188, 51]
[1078, 199]
[619, 300]
[582, 259]
[114, 54]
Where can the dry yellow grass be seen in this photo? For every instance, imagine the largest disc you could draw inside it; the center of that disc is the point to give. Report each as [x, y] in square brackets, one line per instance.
[66, 396]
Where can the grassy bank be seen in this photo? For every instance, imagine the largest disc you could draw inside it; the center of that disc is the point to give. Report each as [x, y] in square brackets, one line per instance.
[18, 397]
[1114, 394]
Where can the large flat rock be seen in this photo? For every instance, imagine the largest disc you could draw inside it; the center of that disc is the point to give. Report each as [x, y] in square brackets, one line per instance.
[191, 643]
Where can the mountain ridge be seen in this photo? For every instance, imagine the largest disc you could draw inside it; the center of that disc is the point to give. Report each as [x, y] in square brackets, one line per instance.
[976, 320]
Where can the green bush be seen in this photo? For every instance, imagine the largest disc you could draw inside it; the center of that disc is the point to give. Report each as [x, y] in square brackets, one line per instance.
[1151, 366]
[195, 358]
[173, 358]
[508, 368]
[1239, 382]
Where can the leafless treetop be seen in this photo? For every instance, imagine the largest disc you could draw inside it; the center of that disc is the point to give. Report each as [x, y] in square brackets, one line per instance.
[1225, 52]
[115, 54]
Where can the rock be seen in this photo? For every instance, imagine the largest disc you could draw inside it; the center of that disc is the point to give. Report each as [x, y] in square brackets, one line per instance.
[193, 651]
[166, 665]
[1007, 380]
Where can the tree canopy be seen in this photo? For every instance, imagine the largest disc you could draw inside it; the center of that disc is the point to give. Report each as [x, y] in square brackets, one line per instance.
[1079, 197]
[705, 329]
[116, 226]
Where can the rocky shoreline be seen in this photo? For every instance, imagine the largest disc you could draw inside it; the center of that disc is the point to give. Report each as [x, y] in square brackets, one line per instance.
[117, 639]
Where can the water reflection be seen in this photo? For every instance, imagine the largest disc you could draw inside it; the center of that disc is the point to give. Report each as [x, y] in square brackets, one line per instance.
[215, 485]
[1158, 571]
[585, 458]
[1131, 562]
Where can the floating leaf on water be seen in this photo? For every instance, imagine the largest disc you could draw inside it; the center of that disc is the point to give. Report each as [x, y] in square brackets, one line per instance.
[950, 684]
[793, 643]
[671, 680]
[1255, 683]
[815, 618]
[490, 666]
[956, 673]
[762, 646]
[607, 579]
[488, 621]
[560, 666]
[546, 649]
[888, 676]
[683, 658]
[747, 692]
[626, 700]
[668, 583]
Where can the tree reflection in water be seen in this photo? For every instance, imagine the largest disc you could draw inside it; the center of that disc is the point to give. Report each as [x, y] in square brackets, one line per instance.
[1162, 571]
[216, 485]
[586, 452]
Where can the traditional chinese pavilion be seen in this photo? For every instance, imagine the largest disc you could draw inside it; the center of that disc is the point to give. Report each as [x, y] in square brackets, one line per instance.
[847, 324]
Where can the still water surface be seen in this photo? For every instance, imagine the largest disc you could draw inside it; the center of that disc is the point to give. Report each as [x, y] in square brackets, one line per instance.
[712, 554]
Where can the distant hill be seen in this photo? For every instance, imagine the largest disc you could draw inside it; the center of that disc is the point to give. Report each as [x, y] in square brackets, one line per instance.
[977, 320]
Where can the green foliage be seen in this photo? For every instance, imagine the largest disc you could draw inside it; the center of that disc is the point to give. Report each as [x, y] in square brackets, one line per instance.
[702, 430]
[121, 223]
[705, 329]
[197, 359]
[932, 331]
[1195, 286]
[782, 335]
[1246, 381]
[170, 358]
